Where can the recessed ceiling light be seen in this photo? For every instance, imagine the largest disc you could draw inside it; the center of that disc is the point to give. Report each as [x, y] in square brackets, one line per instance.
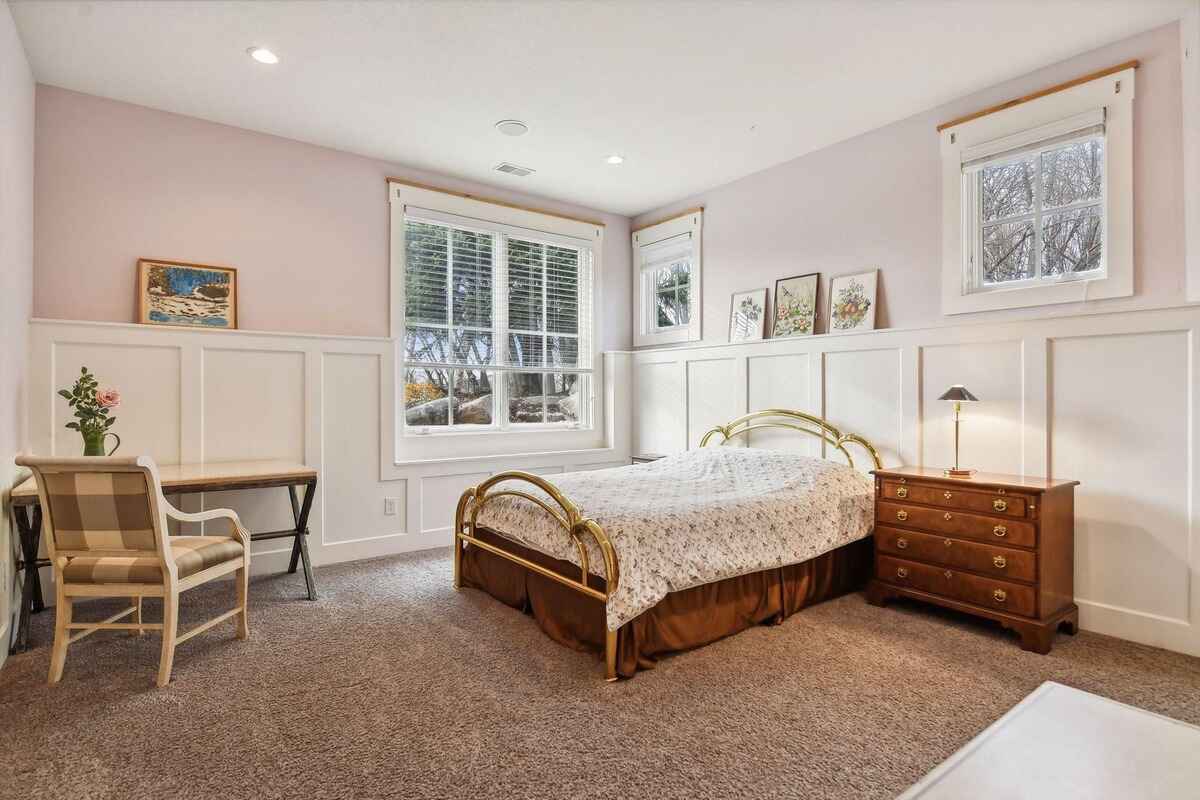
[262, 55]
[512, 127]
[615, 159]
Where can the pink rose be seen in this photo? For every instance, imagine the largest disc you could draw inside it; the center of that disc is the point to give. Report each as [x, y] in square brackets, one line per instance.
[108, 398]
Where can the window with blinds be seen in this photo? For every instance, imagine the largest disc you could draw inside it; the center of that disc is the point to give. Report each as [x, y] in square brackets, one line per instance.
[667, 257]
[667, 274]
[1037, 201]
[497, 327]
[1037, 197]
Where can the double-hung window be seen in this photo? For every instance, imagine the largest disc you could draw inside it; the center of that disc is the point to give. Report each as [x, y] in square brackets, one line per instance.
[1037, 200]
[497, 326]
[667, 263]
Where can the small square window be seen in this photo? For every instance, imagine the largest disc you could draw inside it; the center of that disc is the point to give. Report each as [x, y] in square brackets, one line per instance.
[667, 284]
[1040, 215]
[1037, 198]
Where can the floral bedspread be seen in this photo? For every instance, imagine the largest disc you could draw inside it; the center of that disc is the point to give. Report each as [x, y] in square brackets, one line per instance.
[697, 517]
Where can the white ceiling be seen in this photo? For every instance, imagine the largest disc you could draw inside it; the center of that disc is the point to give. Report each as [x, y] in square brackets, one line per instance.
[693, 94]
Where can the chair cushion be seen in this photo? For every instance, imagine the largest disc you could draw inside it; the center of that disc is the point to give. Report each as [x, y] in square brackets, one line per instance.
[191, 553]
[100, 511]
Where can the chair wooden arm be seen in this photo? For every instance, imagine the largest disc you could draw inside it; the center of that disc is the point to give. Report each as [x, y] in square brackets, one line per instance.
[239, 531]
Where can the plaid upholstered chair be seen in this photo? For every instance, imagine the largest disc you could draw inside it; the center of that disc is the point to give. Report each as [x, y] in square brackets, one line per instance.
[105, 524]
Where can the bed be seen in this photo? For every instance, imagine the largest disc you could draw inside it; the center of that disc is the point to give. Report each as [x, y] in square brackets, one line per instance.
[642, 561]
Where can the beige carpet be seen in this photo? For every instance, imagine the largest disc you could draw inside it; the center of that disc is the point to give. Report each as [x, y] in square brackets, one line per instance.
[393, 685]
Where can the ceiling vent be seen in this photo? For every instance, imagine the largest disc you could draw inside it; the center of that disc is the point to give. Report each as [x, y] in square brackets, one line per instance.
[513, 169]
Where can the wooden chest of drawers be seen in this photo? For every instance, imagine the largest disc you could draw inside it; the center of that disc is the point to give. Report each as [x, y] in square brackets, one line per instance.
[997, 546]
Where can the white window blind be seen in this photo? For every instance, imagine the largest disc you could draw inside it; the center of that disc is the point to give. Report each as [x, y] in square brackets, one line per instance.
[497, 326]
[1043, 136]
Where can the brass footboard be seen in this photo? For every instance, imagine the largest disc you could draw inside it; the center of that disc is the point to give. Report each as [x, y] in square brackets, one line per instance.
[567, 516]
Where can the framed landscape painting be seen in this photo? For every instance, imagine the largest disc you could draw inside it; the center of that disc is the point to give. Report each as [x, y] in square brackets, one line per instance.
[796, 305]
[179, 293]
[748, 315]
[852, 302]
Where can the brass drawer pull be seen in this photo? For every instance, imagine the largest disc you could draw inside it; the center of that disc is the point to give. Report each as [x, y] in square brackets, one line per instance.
[999, 595]
[1000, 531]
[949, 542]
[1000, 505]
[948, 495]
[948, 574]
[902, 515]
[902, 491]
[902, 543]
[901, 572]
[1000, 562]
[947, 516]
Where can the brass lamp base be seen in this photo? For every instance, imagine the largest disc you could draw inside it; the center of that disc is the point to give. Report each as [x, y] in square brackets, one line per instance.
[954, 472]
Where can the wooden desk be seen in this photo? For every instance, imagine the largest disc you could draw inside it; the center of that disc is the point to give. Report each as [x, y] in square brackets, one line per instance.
[177, 479]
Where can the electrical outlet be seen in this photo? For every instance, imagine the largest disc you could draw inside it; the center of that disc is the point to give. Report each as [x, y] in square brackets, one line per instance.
[389, 506]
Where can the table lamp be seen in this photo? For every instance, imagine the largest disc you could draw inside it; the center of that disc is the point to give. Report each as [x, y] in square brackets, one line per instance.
[958, 395]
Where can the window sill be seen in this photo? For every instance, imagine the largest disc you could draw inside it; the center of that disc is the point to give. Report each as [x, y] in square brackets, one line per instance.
[488, 431]
[687, 333]
[506, 458]
[1046, 294]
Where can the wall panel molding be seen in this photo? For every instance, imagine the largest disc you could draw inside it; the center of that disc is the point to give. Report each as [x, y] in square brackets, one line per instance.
[1108, 399]
[325, 400]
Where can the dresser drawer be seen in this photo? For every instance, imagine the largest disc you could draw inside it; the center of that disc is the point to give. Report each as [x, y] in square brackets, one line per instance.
[1000, 562]
[946, 496]
[974, 589]
[958, 523]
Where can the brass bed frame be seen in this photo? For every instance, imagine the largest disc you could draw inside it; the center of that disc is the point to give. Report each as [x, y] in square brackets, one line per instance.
[580, 528]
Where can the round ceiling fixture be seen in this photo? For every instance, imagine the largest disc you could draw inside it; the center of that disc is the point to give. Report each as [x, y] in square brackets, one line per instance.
[615, 159]
[512, 127]
[262, 55]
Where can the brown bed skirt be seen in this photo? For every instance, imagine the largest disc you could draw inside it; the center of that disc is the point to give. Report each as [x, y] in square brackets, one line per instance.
[681, 620]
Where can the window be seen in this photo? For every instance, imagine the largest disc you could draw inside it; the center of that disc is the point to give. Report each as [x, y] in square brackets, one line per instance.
[667, 258]
[1038, 205]
[1038, 212]
[497, 326]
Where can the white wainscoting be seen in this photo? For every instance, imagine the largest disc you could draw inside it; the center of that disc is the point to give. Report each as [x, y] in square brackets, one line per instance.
[1107, 399]
[190, 396]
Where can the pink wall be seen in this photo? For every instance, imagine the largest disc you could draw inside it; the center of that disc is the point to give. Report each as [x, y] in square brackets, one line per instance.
[875, 200]
[306, 226]
[16, 287]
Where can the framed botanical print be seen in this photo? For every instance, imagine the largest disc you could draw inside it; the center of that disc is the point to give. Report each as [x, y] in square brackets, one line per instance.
[852, 302]
[796, 305]
[748, 315]
[192, 295]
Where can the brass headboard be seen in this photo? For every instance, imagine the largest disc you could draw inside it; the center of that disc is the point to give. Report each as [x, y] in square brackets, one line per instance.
[796, 421]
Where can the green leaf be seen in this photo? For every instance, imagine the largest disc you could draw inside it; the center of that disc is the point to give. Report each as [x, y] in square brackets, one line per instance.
[73, 426]
[108, 422]
[64, 393]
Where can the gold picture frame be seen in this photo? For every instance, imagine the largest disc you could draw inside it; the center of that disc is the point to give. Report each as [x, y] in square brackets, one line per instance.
[186, 295]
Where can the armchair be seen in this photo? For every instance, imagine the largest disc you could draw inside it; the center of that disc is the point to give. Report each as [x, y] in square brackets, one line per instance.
[105, 522]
